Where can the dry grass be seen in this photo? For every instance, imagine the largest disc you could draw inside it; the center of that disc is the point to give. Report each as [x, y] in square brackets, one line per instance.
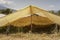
[29, 36]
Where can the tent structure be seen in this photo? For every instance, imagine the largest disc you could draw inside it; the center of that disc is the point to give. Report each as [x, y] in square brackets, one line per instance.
[36, 20]
[30, 15]
[25, 15]
[28, 11]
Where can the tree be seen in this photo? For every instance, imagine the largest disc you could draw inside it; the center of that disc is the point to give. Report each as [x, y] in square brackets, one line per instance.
[58, 12]
[52, 11]
[6, 11]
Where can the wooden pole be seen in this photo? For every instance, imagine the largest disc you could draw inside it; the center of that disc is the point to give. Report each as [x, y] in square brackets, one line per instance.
[21, 31]
[18, 29]
[31, 18]
[56, 28]
[8, 28]
[7, 31]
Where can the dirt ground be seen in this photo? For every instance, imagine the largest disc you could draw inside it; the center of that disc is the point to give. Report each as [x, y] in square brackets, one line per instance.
[30, 36]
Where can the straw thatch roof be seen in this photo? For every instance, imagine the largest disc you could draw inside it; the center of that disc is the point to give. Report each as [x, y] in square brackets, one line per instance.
[23, 17]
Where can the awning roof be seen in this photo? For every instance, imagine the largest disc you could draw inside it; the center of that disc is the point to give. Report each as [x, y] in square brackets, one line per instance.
[21, 14]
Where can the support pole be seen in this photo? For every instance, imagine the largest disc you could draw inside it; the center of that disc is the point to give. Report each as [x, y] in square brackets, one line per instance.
[21, 31]
[59, 28]
[18, 29]
[31, 18]
[7, 31]
[31, 23]
[56, 28]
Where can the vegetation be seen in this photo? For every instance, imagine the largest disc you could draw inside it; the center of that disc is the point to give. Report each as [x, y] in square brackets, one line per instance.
[52, 11]
[58, 12]
[55, 12]
[30, 36]
[6, 11]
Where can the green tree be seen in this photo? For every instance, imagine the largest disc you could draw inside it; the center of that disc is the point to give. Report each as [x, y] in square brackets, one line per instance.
[52, 11]
[58, 12]
[6, 11]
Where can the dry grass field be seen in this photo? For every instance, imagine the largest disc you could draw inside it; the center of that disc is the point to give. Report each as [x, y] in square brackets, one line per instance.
[30, 36]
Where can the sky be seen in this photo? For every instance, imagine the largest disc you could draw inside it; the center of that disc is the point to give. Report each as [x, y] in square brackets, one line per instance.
[19, 4]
